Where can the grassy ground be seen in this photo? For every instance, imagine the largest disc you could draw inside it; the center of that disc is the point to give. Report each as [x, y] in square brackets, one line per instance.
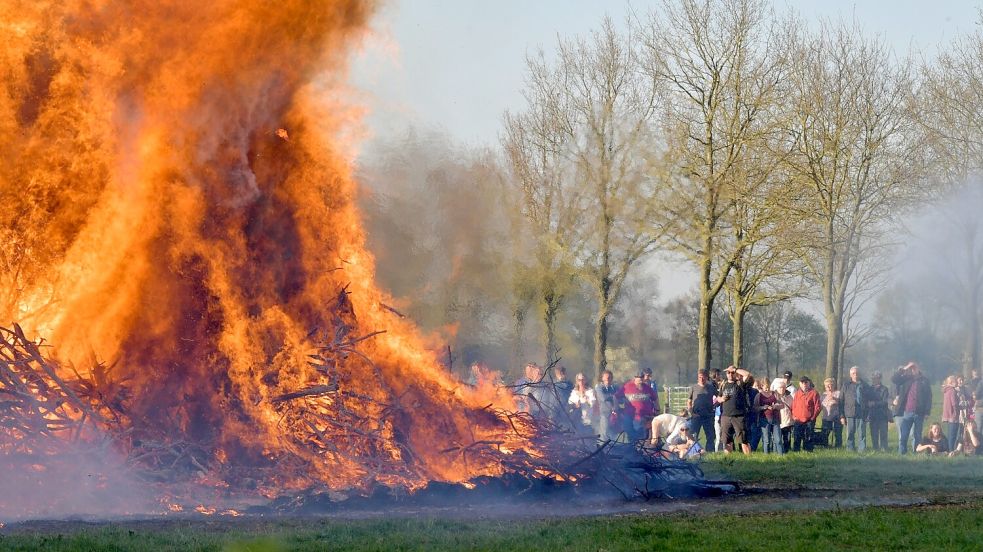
[950, 491]
[838, 469]
[921, 528]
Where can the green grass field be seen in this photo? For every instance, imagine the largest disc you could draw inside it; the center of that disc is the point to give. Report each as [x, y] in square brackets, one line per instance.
[940, 506]
[838, 469]
[920, 528]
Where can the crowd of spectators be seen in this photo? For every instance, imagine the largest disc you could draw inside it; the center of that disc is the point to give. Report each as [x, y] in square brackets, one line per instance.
[733, 411]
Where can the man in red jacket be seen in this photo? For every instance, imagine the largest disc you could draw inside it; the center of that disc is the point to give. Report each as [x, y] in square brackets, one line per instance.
[806, 407]
[640, 408]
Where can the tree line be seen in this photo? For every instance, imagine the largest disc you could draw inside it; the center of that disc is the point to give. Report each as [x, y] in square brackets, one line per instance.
[784, 162]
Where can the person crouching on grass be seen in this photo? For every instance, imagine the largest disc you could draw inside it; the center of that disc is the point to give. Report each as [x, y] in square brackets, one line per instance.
[733, 398]
[665, 425]
[806, 407]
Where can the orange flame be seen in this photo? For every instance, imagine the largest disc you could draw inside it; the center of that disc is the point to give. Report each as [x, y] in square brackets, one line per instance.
[178, 205]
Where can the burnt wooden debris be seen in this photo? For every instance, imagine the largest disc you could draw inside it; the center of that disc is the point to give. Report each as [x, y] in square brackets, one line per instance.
[41, 410]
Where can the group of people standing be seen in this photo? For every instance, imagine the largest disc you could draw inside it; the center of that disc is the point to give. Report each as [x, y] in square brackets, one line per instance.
[605, 409]
[778, 417]
[782, 417]
[734, 411]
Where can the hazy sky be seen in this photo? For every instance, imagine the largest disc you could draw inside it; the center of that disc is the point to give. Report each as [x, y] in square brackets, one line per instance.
[458, 64]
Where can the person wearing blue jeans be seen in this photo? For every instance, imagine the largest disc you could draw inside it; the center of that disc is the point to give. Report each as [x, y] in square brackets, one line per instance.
[855, 395]
[701, 409]
[913, 404]
[768, 406]
[910, 425]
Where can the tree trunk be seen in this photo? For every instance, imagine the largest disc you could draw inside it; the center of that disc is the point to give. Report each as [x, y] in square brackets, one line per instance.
[834, 335]
[972, 350]
[767, 344]
[551, 307]
[518, 346]
[601, 342]
[704, 354]
[738, 319]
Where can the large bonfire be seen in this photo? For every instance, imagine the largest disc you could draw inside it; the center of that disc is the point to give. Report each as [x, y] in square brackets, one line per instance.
[177, 222]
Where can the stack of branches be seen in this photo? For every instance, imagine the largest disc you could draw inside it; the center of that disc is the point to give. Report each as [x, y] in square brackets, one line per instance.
[345, 429]
[39, 409]
[561, 456]
[328, 425]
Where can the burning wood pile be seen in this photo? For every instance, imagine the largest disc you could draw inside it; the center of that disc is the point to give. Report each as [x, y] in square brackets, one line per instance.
[182, 192]
[38, 408]
[42, 411]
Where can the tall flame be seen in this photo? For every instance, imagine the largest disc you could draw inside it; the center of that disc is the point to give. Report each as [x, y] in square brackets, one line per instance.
[177, 202]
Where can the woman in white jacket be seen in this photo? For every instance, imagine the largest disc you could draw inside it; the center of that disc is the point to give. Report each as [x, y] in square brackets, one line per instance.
[786, 412]
[584, 401]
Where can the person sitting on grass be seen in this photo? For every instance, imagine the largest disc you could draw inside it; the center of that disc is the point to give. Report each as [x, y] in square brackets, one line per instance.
[666, 424]
[682, 444]
[935, 442]
[970, 442]
[806, 407]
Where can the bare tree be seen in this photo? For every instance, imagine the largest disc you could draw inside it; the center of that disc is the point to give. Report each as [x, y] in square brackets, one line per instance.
[765, 269]
[872, 275]
[591, 119]
[536, 144]
[854, 155]
[949, 106]
[717, 66]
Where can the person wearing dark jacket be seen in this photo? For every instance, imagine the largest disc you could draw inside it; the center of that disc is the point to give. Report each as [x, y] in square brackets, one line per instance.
[911, 405]
[607, 404]
[700, 406]
[878, 412]
[733, 399]
[855, 394]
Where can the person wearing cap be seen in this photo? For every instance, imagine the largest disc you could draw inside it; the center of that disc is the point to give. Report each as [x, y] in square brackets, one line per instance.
[806, 407]
[734, 405]
[701, 408]
[647, 380]
[641, 401]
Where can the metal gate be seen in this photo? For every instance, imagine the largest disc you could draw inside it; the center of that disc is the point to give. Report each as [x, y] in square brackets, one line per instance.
[676, 398]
